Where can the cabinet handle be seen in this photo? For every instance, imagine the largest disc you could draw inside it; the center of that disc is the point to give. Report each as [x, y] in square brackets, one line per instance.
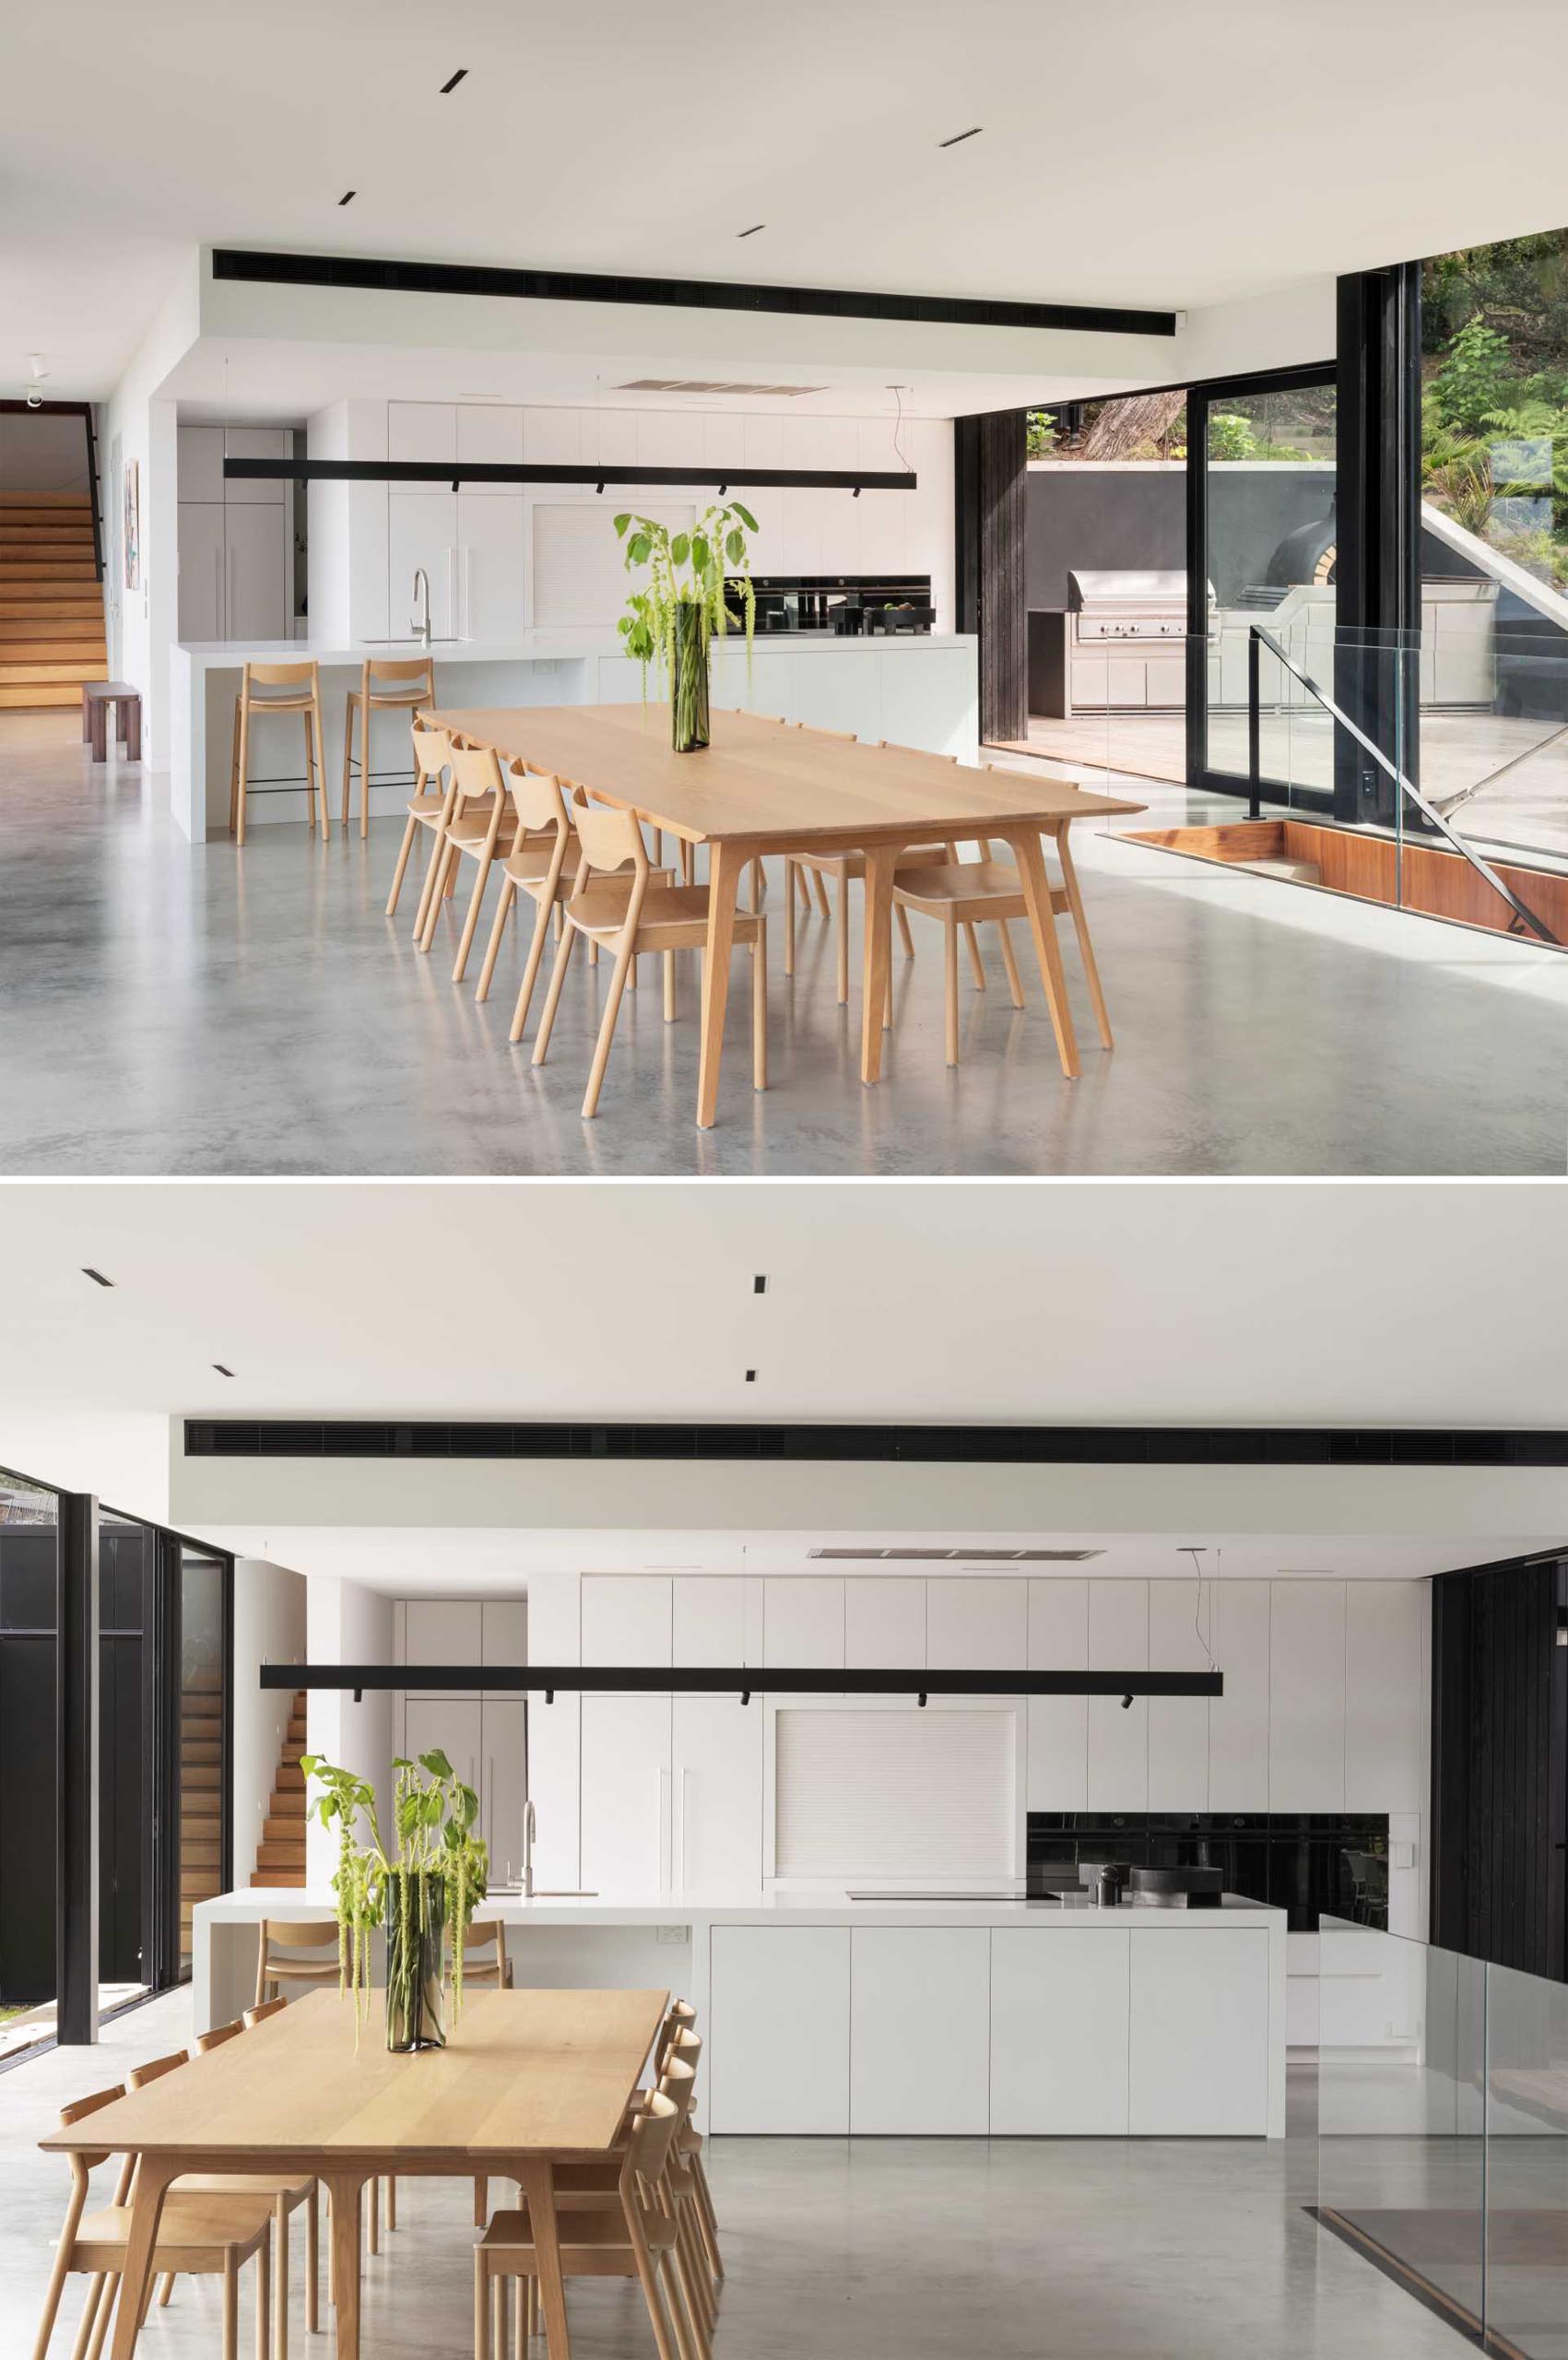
[222, 624]
[663, 1831]
[467, 628]
[685, 1783]
[452, 589]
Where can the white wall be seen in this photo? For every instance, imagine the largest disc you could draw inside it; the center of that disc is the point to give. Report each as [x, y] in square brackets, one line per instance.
[345, 526]
[146, 425]
[269, 1627]
[347, 1624]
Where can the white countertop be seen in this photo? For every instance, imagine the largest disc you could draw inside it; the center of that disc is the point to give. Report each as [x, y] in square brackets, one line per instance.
[562, 643]
[827, 1909]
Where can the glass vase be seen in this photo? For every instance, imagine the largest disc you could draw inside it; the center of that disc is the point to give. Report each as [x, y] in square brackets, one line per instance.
[415, 1934]
[689, 690]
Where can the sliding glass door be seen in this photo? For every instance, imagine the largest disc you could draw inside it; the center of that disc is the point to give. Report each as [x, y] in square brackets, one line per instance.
[1263, 530]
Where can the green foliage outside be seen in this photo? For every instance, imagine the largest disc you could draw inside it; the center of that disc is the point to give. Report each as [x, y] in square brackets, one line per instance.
[1494, 404]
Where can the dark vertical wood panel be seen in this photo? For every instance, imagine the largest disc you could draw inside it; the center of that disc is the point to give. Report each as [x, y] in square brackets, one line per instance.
[1500, 1766]
[1004, 621]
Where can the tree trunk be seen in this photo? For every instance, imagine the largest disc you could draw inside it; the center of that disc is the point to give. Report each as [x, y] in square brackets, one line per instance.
[1125, 424]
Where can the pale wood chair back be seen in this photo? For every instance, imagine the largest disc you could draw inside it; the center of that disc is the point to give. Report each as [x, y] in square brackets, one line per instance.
[299, 678]
[476, 771]
[387, 672]
[609, 839]
[432, 752]
[647, 2157]
[537, 800]
[206, 2041]
[254, 2017]
[142, 2074]
[278, 1937]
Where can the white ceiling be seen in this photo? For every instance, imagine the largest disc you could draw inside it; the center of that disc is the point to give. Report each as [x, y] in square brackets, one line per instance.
[1130, 154]
[1093, 1303]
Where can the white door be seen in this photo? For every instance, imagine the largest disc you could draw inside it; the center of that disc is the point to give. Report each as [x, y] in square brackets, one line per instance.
[779, 2013]
[439, 1631]
[504, 1748]
[257, 564]
[716, 1796]
[201, 569]
[919, 2036]
[421, 531]
[450, 1724]
[492, 567]
[625, 1795]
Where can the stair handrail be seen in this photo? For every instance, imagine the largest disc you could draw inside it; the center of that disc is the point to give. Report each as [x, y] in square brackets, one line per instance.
[1259, 636]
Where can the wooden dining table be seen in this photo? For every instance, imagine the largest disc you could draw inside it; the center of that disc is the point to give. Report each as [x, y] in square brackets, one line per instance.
[527, 2078]
[763, 788]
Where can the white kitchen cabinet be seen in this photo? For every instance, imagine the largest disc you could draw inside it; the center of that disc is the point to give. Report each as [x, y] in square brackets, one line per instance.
[1178, 1726]
[421, 531]
[421, 431]
[1059, 2033]
[884, 1623]
[257, 443]
[201, 568]
[1198, 2051]
[491, 434]
[802, 1622]
[504, 1631]
[918, 2037]
[1058, 1725]
[200, 463]
[625, 1807]
[503, 1790]
[258, 562]
[439, 1631]
[492, 570]
[1306, 1697]
[1118, 1739]
[1238, 1719]
[976, 1623]
[715, 1793]
[717, 1619]
[555, 1771]
[626, 1619]
[450, 1723]
[1386, 1764]
[779, 2010]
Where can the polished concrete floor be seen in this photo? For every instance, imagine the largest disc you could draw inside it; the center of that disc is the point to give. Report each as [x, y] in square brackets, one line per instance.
[171, 1008]
[871, 2249]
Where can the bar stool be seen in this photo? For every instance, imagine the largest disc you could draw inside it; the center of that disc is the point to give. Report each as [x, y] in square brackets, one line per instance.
[302, 687]
[384, 687]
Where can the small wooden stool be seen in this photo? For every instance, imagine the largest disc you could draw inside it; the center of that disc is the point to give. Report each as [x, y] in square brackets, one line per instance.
[302, 683]
[383, 688]
[97, 698]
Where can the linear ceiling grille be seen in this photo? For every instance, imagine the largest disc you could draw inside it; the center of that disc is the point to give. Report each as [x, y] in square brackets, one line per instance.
[974, 1445]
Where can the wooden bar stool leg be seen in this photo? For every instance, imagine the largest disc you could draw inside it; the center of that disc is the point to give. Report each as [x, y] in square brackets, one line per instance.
[949, 983]
[348, 704]
[364, 775]
[245, 764]
[321, 765]
[235, 771]
[310, 774]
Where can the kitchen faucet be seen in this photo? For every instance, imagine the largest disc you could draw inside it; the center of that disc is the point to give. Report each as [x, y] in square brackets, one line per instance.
[529, 1825]
[421, 624]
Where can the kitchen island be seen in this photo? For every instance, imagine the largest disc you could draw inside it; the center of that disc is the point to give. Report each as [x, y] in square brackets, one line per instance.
[918, 689]
[977, 2017]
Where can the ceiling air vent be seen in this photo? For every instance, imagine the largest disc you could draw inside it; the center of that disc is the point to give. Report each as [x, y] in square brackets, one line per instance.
[955, 1556]
[707, 386]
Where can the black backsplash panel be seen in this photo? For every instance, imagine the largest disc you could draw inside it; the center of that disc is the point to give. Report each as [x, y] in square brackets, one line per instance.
[1308, 1863]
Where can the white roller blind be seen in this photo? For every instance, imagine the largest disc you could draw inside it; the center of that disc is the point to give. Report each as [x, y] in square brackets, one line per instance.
[902, 1793]
[580, 566]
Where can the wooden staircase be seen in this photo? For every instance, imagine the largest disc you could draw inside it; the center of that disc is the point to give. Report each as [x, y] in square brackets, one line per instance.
[281, 1857]
[201, 1802]
[51, 600]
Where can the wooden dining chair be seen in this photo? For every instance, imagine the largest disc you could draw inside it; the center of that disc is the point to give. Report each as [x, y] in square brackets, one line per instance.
[426, 807]
[384, 687]
[198, 2236]
[637, 2238]
[284, 2194]
[479, 827]
[674, 918]
[285, 688]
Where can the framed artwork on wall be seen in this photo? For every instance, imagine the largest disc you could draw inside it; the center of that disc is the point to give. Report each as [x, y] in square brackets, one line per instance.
[133, 526]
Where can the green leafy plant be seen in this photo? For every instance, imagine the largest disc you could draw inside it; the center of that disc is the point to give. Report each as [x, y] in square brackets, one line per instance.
[430, 1884]
[685, 570]
[1040, 434]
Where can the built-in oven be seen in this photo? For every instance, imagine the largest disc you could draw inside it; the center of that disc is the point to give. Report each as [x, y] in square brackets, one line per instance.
[848, 604]
[1308, 1863]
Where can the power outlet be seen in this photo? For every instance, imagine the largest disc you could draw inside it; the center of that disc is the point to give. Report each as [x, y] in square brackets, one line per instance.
[681, 1934]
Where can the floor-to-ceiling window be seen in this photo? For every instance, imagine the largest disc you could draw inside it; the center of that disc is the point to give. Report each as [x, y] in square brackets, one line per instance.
[1494, 540]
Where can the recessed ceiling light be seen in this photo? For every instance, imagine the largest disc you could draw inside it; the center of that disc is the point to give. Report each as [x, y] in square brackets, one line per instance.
[760, 1283]
[448, 87]
[348, 196]
[750, 1377]
[97, 1277]
[752, 232]
[221, 1369]
[959, 137]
